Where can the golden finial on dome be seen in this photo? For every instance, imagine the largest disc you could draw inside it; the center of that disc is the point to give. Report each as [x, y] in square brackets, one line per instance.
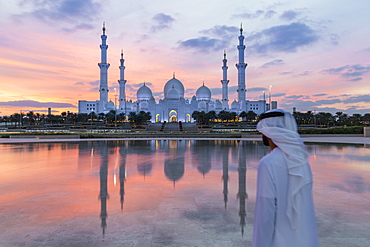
[174, 77]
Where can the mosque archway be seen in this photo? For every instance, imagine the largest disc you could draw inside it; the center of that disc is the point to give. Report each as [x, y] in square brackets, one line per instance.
[172, 116]
[188, 117]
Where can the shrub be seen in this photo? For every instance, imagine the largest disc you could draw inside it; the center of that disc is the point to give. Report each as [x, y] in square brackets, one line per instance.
[339, 130]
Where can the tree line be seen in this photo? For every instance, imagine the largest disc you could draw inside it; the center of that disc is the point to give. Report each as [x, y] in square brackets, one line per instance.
[327, 119]
[323, 119]
[31, 118]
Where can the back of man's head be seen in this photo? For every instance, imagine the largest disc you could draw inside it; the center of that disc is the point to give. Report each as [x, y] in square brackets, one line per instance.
[277, 118]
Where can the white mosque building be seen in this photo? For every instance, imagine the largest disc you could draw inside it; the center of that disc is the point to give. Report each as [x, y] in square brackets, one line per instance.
[173, 106]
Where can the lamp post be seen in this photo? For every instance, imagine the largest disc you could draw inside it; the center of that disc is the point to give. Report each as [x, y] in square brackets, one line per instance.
[124, 117]
[264, 101]
[20, 119]
[270, 98]
[91, 120]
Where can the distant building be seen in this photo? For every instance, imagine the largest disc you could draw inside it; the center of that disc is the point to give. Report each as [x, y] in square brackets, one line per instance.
[273, 105]
[173, 106]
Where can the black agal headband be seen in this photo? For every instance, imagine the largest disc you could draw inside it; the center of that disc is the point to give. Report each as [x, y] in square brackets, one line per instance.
[271, 114]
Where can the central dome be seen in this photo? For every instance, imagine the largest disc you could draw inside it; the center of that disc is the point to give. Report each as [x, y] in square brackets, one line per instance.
[176, 84]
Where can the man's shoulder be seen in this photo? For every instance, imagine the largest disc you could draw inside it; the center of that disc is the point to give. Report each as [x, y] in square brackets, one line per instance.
[275, 153]
[275, 156]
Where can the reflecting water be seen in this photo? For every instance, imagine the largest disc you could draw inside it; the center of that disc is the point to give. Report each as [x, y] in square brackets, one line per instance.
[165, 193]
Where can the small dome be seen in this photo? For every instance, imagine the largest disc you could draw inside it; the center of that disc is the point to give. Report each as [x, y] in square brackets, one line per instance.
[176, 84]
[235, 105]
[173, 94]
[144, 93]
[218, 105]
[203, 93]
[110, 105]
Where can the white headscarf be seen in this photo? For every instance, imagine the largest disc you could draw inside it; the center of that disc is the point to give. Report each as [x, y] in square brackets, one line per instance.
[282, 130]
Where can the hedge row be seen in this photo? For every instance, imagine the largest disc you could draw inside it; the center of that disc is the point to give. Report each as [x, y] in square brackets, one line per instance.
[338, 130]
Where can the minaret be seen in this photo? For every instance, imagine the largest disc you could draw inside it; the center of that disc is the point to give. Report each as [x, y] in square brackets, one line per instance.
[225, 82]
[122, 83]
[241, 66]
[103, 65]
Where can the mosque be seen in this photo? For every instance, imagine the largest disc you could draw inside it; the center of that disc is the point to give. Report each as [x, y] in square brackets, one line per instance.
[173, 106]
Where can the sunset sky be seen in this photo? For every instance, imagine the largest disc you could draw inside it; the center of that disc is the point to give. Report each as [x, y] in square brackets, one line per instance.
[315, 54]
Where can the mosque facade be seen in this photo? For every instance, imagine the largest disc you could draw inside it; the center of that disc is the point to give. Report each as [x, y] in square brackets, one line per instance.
[173, 106]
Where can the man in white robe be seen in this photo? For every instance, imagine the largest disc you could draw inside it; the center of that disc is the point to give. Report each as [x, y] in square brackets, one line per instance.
[284, 214]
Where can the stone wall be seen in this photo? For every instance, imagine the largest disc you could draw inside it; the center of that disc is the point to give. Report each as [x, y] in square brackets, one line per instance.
[366, 131]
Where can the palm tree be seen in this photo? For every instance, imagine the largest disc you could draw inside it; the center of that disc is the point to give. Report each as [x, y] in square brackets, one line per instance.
[101, 116]
[356, 118]
[200, 117]
[227, 116]
[323, 118]
[111, 116]
[248, 116]
[31, 117]
[146, 116]
[366, 118]
[82, 117]
[132, 116]
[299, 117]
[343, 119]
[233, 116]
[92, 115]
[211, 115]
[243, 115]
[5, 119]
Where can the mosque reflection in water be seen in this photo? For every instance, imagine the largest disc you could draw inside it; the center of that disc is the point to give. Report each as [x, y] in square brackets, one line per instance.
[176, 157]
[165, 193]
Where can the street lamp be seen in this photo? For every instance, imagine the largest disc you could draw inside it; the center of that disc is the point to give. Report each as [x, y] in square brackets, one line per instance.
[20, 119]
[264, 101]
[124, 117]
[91, 120]
[270, 98]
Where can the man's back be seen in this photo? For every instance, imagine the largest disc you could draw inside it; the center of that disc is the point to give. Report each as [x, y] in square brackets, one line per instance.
[272, 225]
